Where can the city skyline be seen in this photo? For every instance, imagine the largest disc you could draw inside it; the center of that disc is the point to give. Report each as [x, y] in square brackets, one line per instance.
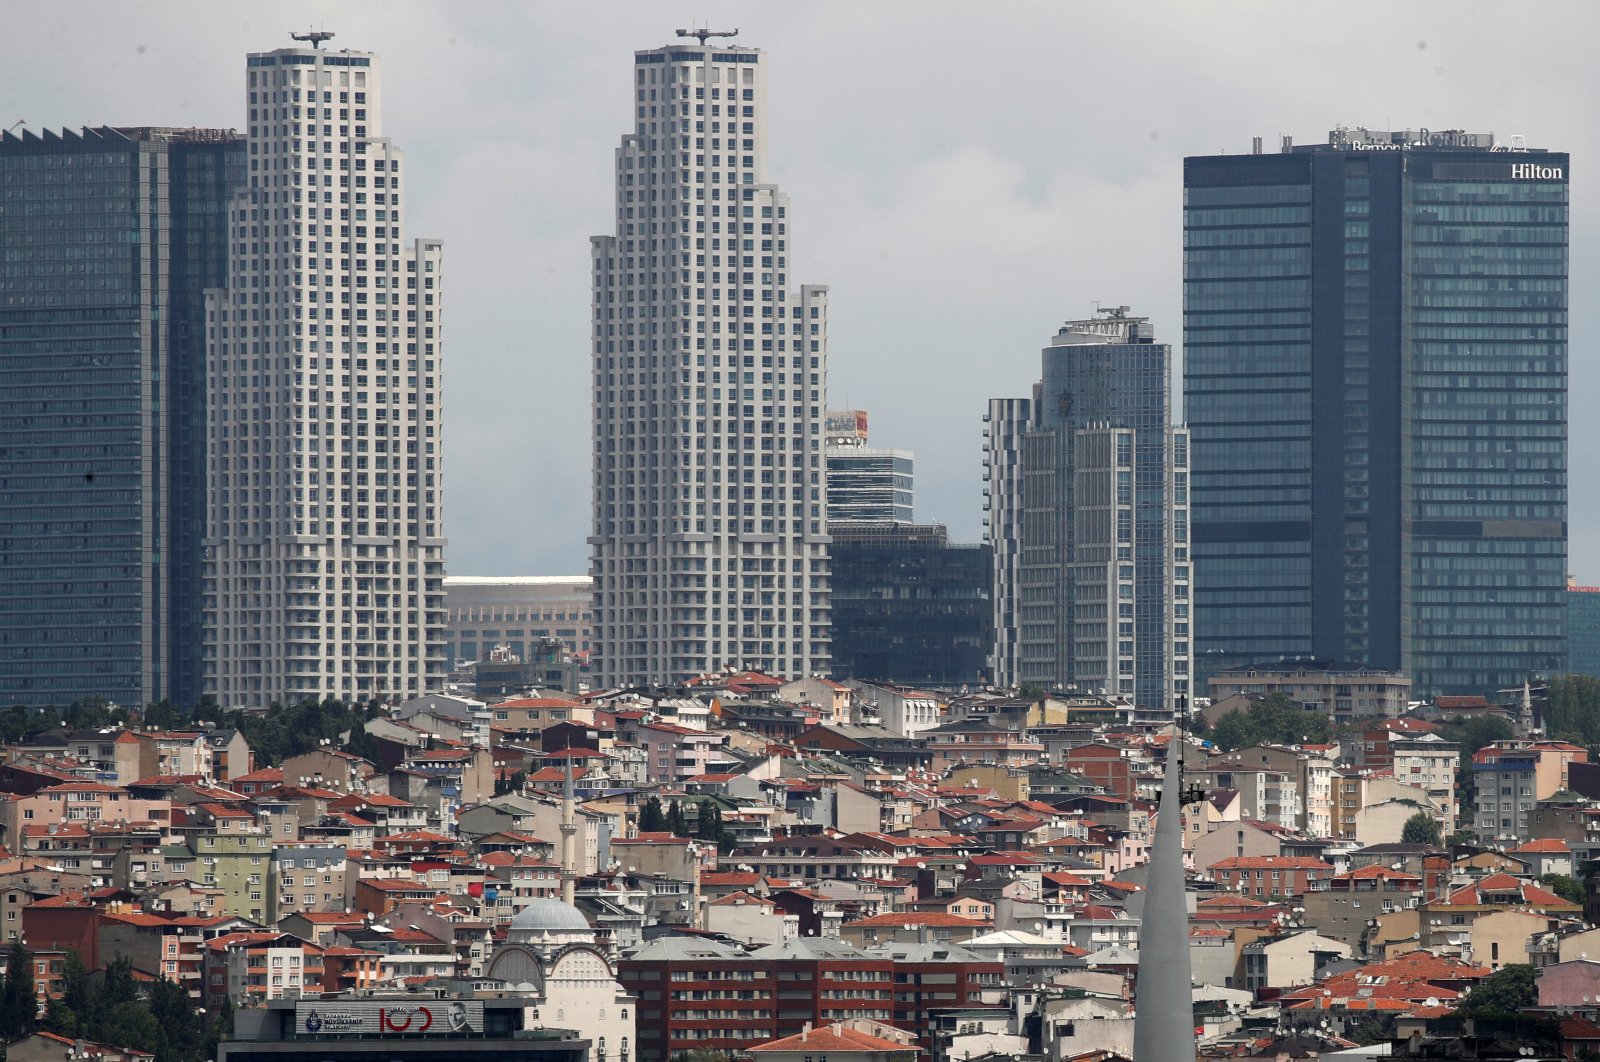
[511, 161]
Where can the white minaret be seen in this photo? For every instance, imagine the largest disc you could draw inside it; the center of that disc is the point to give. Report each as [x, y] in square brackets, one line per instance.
[710, 373]
[569, 830]
[1163, 1021]
[325, 434]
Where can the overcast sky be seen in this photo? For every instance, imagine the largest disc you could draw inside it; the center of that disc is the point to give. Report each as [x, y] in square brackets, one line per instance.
[963, 176]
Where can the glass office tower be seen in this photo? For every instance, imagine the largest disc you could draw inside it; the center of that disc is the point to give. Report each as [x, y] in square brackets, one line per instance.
[910, 606]
[110, 238]
[1375, 369]
[1103, 571]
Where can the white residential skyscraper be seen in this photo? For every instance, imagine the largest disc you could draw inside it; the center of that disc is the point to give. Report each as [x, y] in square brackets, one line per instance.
[1004, 426]
[710, 370]
[325, 558]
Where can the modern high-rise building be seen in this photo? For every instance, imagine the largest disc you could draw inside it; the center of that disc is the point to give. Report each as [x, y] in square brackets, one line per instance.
[865, 483]
[1583, 629]
[1375, 373]
[1103, 574]
[1004, 425]
[710, 370]
[111, 237]
[325, 541]
[909, 606]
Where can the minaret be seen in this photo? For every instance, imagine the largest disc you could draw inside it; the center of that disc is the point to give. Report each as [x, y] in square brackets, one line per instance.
[1163, 1022]
[1525, 711]
[569, 865]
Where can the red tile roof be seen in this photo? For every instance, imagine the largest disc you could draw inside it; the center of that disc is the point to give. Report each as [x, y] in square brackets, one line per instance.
[1472, 895]
[918, 918]
[834, 1039]
[1269, 863]
[1544, 845]
[737, 899]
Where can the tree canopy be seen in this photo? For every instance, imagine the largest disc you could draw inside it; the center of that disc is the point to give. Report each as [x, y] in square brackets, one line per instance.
[1422, 828]
[18, 1003]
[1272, 720]
[1564, 886]
[1502, 994]
[1475, 733]
[651, 818]
[1572, 711]
[287, 730]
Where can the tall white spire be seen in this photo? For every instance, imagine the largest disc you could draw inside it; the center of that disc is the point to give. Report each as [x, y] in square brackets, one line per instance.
[1163, 1023]
[569, 828]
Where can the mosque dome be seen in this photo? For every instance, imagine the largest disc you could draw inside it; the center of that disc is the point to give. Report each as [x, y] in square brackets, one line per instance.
[547, 917]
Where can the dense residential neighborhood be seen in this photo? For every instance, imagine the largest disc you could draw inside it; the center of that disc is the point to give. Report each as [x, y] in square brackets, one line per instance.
[1257, 723]
[973, 888]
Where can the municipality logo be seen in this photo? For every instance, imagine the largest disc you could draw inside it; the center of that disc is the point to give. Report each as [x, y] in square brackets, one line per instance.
[313, 1022]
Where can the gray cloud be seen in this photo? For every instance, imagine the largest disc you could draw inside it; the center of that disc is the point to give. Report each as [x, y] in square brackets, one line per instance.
[964, 177]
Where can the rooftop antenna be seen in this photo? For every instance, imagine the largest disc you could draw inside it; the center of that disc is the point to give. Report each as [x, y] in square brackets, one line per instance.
[702, 34]
[316, 37]
[12, 127]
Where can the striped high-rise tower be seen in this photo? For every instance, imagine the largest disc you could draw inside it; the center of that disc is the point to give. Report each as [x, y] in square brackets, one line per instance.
[709, 542]
[325, 552]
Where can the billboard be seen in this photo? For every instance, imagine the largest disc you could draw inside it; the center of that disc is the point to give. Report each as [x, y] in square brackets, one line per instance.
[846, 426]
[434, 1017]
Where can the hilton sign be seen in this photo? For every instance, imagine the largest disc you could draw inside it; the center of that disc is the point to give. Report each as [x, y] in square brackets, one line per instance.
[1530, 171]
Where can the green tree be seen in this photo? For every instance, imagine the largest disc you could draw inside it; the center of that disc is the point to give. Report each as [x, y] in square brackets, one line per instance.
[1572, 709]
[130, 1025]
[1422, 828]
[709, 826]
[182, 1036]
[1272, 720]
[19, 1005]
[651, 818]
[677, 821]
[1502, 994]
[69, 1015]
[1565, 887]
[1233, 731]
[222, 1028]
[1476, 733]
[510, 783]
[117, 990]
[1373, 1029]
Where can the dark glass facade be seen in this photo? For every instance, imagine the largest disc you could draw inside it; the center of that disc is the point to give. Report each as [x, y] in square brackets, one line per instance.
[909, 607]
[1375, 367]
[866, 483]
[110, 238]
[1583, 630]
[1103, 573]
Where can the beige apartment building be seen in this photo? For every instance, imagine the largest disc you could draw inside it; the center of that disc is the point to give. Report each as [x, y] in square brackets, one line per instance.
[1344, 694]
